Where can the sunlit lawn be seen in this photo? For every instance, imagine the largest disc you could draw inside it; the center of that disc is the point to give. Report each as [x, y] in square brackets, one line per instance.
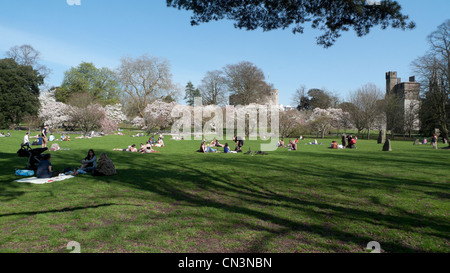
[311, 200]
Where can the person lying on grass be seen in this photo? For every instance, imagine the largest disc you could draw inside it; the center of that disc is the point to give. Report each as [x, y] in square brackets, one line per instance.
[44, 169]
[131, 148]
[147, 149]
[215, 143]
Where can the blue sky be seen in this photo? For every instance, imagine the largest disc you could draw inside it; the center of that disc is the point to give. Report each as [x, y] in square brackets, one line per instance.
[103, 31]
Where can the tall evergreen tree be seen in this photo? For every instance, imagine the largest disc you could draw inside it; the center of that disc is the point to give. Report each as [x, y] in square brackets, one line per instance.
[191, 93]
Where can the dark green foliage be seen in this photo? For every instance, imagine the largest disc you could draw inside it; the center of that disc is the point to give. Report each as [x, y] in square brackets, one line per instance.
[331, 17]
[102, 83]
[191, 93]
[19, 92]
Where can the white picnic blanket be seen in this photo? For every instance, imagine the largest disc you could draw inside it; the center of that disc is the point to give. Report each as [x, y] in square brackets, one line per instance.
[35, 180]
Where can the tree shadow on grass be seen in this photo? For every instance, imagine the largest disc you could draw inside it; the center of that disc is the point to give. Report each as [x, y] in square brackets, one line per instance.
[29, 213]
[187, 180]
[207, 180]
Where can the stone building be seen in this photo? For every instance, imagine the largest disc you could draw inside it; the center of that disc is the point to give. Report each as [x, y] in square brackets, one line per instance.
[408, 97]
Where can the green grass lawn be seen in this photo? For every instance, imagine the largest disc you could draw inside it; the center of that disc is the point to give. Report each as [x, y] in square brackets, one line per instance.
[311, 200]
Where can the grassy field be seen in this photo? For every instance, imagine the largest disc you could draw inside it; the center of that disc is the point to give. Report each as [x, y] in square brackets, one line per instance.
[311, 200]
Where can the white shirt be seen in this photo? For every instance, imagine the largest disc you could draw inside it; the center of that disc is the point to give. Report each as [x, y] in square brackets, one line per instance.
[26, 139]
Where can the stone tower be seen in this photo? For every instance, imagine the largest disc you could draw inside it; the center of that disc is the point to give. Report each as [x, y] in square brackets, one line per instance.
[273, 97]
[408, 94]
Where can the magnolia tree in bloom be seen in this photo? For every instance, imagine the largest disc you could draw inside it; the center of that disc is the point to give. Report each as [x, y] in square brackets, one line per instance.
[157, 115]
[322, 120]
[51, 112]
[112, 116]
[115, 112]
[290, 122]
[84, 114]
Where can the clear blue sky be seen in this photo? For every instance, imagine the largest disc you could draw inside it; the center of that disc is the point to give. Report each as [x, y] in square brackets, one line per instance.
[103, 31]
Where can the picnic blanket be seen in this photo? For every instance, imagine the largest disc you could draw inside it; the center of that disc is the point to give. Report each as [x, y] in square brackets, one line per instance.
[35, 180]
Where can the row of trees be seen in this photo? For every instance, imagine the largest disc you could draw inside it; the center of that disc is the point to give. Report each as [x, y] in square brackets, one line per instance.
[244, 81]
[370, 108]
[139, 82]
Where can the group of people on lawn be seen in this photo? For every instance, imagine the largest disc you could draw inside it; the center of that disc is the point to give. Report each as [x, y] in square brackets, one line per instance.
[292, 145]
[348, 142]
[45, 168]
[2, 134]
[145, 148]
[88, 165]
[208, 148]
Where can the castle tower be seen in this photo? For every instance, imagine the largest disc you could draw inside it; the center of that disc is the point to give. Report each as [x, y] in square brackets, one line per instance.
[408, 93]
[391, 81]
[274, 99]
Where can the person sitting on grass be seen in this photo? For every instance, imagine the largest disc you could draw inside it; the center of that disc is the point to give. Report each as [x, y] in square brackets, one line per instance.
[206, 148]
[66, 138]
[239, 143]
[160, 143]
[147, 149]
[333, 145]
[105, 166]
[38, 141]
[280, 143]
[292, 145]
[351, 143]
[226, 148]
[44, 168]
[131, 148]
[89, 163]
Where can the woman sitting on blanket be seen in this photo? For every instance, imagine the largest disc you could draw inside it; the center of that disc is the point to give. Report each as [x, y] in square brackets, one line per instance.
[131, 148]
[89, 163]
[44, 169]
